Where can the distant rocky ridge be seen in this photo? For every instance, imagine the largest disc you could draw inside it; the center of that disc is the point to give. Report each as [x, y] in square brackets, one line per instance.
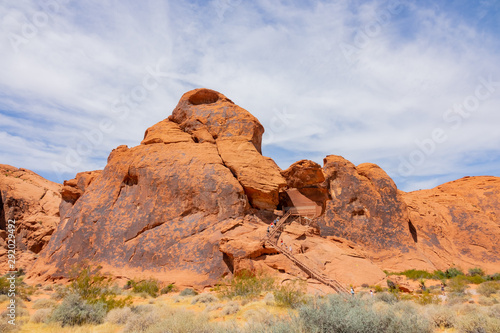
[192, 202]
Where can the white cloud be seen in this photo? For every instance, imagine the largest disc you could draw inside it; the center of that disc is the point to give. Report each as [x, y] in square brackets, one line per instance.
[365, 82]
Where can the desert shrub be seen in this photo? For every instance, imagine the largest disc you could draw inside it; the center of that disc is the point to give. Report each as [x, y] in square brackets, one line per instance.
[119, 316]
[474, 279]
[6, 327]
[74, 310]
[340, 314]
[427, 298]
[168, 289]
[453, 272]
[94, 287]
[415, 274]
[188, 292]
[204, 298]
[230, 308]
[269, 299]
[494, 277]
[139, 323]
[478, 322]
[494, 311]
[488, 288]
[391, 285]
[441, 317]
[456, 298]
[183, 321]
[4, 298]
[386, 297]
[60, 292]
[246, 285]
[44, 303]
[457, 285]
[22, 289]
[41, 315]
[149, 286]
[377, 288]
[487, 301]
[144, 308]
[476, 271]
[291, 294]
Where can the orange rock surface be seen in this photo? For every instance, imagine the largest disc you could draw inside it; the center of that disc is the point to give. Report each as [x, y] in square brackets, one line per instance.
[193, 202]
[458, 223]
[33, 202]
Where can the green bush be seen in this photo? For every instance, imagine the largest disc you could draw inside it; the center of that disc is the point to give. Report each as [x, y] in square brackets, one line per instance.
[427, 298]
[291, 294]
[457, 284]
[453, 272]
[168, 289]
[149, 287]
[94, 287]
[494, 277]
[246, 285]
[415, 274]
[476, 272]
[188, 292]
[488, 288]
[74, 310]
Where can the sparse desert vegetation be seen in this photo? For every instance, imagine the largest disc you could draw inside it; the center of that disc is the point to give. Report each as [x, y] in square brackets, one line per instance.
[256, 303]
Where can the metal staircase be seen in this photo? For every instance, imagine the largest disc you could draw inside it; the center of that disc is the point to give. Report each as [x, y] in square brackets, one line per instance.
[272, 240]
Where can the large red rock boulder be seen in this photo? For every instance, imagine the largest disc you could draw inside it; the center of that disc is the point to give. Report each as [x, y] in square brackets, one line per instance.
[33, 202]
[158, 208]
[366, 208]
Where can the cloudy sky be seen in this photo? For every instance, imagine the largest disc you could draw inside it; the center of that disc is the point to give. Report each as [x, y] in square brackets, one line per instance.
[413, 86]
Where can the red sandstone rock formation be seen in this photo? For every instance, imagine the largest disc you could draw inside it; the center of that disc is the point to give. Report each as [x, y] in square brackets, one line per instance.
[192, 202]
[33, 202]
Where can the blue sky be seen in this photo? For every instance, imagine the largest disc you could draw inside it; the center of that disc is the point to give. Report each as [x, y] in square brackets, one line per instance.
[413, 86]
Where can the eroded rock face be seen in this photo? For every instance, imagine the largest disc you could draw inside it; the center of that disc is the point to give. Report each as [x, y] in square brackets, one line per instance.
[308, 178]
[211, 117]
[33, 202]
[458, 223]
[159, 208]
[365, 208]
[192, 203]
[73, 189]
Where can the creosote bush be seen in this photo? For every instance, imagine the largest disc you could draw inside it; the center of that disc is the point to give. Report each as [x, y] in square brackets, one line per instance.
[290, 294]
[149, 286]
[94, 287]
